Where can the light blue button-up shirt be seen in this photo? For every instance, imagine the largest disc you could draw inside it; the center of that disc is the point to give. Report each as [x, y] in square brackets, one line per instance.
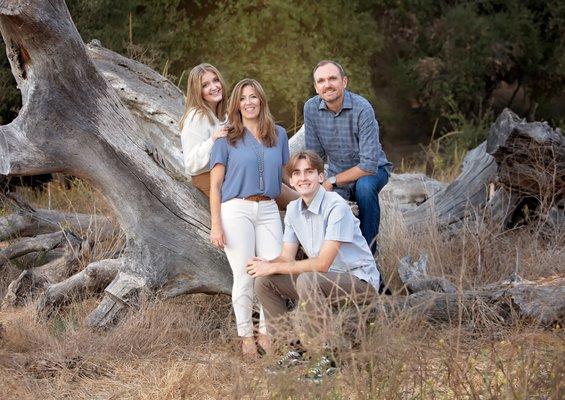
[329, 217]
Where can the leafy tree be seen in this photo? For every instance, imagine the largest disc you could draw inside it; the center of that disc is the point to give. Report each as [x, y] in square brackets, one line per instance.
[449, 54]
[279, 42]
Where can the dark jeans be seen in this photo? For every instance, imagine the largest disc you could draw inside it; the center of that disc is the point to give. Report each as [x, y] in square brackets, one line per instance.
[366, 193]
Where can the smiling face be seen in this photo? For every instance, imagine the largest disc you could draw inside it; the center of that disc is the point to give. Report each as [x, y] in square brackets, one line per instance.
[249, 103]
[212, 92]
[330, 85]
[306, 179]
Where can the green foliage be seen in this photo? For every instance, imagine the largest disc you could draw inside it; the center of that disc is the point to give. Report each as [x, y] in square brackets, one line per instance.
[279, 42]
[462, 51]
[10, 99]
[416, 60]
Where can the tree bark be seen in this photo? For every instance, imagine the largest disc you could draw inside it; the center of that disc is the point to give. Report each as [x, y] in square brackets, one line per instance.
[73, 122]
[435, 299]
[530, 157]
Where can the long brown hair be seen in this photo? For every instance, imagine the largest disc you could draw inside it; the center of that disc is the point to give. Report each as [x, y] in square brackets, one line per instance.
[194, 94]
[267, 132]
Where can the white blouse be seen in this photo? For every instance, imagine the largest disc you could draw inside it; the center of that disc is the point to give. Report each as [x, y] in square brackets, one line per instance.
[197, 142]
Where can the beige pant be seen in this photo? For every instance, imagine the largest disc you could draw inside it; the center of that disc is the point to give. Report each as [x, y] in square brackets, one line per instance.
[317, 293]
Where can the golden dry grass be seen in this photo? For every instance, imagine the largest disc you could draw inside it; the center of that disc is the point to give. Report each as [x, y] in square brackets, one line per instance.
[184, 348]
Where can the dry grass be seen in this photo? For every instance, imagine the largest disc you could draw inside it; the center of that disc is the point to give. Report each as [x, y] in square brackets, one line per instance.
[184, 348]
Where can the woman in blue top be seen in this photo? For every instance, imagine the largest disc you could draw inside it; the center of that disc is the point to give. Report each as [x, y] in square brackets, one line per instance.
[246, 175]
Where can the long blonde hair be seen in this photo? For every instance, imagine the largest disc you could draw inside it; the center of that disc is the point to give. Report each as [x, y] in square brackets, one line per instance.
[194, 94]
[267, 132]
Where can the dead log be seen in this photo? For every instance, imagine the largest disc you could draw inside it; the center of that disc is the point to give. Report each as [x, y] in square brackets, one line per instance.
[93, 279]
[31, 281]
[469, 191]
[530, 158]
[73, 122]
[436, 299]
[27, 245]
[154, 102]
[40, 221]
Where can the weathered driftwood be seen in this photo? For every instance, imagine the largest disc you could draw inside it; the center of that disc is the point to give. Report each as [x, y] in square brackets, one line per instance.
[40, 221]
[30, 281]
[73, 122]
[154, 102]
[436, 299]
[24, 246]
[518, 159]
[468, 192]
[94, 278]
[407, 191]
[530, 157]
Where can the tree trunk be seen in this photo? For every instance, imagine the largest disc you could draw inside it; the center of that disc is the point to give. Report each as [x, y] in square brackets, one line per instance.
[73, 122]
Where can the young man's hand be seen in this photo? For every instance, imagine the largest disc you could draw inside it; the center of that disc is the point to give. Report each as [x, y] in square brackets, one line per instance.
[258, 267]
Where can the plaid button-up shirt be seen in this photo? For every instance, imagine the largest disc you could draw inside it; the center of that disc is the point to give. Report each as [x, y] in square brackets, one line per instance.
[346, 139]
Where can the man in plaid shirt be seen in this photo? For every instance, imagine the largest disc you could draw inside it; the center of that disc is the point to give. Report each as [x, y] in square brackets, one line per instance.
[341, 127]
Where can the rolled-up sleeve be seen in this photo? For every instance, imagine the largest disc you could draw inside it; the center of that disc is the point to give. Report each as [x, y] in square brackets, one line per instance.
[310, 135]
[219, 154]
[340, 224]
[369, 144]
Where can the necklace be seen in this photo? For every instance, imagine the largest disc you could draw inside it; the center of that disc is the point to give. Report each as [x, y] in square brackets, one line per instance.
[260, 153]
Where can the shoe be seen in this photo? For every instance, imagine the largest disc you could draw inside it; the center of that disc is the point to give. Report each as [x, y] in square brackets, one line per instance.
[264, 346]
[249, 348]
[323, 368]
[291, 359]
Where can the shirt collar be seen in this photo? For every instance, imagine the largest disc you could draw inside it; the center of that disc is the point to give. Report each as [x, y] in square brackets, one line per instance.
[316, 204]
[346, 105]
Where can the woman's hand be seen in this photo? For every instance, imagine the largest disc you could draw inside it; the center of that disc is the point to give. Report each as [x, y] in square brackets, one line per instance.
[217, 236]
[222, 132]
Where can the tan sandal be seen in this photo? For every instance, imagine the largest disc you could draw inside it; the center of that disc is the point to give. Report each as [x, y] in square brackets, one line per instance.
[248, 347]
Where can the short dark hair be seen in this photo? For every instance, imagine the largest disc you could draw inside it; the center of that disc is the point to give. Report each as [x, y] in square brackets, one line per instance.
[325, 62]
[308, 155]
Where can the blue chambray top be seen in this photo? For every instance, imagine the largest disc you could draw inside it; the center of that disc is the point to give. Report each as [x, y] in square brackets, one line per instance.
[242, 177]
[329, 217]
[346, 139]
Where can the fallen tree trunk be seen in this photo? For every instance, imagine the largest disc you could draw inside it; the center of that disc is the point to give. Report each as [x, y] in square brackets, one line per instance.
[435, 299]
[93, 279]
[40, 221]
[73, 122]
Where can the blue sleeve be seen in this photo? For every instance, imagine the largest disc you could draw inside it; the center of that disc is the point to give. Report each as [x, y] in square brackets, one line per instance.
[369, 144]
[341, 225]
[219, 153]
[310, 135]
[284, 145]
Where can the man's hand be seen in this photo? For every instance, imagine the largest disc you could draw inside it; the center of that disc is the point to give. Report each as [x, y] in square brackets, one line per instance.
[259, 267]
[328, 186]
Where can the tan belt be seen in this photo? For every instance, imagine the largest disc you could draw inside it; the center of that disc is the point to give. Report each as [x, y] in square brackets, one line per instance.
[257, 197]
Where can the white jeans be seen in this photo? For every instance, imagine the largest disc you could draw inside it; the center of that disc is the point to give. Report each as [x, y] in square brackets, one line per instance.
[251, 229]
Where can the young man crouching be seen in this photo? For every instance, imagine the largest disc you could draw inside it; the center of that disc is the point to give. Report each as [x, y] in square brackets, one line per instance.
[339, 267]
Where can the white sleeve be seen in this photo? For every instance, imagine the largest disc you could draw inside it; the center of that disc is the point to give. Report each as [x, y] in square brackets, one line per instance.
[196, 142]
